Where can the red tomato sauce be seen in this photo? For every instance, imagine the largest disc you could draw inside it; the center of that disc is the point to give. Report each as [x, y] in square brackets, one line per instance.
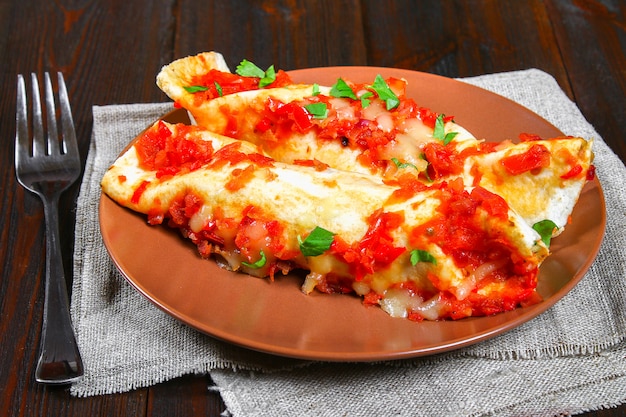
[160, 150]
[218, 83]
[535, 158]
[458, 229]
[171, 152]
[279, 121]
[376, 250]
[443, 160]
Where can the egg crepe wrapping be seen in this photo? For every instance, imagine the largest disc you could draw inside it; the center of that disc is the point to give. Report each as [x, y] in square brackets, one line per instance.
[423, 252]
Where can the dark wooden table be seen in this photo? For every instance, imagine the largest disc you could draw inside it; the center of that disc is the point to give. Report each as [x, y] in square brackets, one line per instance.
[110, 52]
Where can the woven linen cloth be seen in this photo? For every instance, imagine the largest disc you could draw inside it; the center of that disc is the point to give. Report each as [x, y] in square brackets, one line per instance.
[568, 360]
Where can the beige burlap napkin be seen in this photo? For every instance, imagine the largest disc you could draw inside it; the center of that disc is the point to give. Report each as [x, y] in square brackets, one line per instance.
[568, 360]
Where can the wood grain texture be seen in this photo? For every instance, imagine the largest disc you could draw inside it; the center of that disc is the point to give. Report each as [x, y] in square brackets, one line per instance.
[592, 38]
[290, 34]
[463, 38]
[110, 52]
[186, 396]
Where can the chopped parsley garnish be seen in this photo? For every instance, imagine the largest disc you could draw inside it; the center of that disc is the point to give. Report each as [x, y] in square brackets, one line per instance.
[248, 69]
[440, 133]
[258, 264]
[385, 93]
[316, 90]
[195, 88]
[365, 99]
[318, 110]
[270, 77]
[402, 165]
[418, 255]
[317, 242]
[545, 228]
[218, 88]
[342, 89]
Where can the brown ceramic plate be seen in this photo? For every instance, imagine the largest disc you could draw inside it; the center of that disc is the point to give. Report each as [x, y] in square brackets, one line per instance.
[277, 318]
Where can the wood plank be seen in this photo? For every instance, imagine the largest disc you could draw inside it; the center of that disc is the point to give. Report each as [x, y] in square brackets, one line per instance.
[58, 402]
[185, 396]
[289, 34]
[592, 39]
[460, 39]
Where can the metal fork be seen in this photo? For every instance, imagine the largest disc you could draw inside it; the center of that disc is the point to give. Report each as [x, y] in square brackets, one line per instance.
[47, 166]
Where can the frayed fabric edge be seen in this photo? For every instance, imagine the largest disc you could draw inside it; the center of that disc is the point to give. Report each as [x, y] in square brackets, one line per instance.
[78, 390]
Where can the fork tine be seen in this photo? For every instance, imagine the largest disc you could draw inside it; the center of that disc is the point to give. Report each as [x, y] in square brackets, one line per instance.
[39, 145]
[53, 133]
[70, 145]
[22, 140]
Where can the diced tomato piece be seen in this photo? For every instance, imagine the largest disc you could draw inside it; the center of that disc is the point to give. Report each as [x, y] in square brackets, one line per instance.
[529, 137]
[228, 154]
[495, 205]
[261, 160]
[535, 158]
[591, 172]
[240, 177]
[573, 173]
[139, 191]
[372, 298]
[299, 115]
[264, 125]
[376, 250]
[397, 85]
[314, 163]
[192, 205]
[409, 186]
[442, 160]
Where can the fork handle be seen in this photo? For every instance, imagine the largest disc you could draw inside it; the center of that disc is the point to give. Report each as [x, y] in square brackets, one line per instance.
[59, 361]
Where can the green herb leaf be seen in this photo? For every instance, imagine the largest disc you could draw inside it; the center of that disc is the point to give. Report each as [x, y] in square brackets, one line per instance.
[248, 69]
[440, 133]
[218, 88]
[316, 89]
[258, 264]
[365, 101]
[402, 165]
[342, 89]
[317, 242]
[545, 228]
[385, 93]
[449, 137]
[195, 88]
[318, 110]
[418, 255]
[268, 78]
